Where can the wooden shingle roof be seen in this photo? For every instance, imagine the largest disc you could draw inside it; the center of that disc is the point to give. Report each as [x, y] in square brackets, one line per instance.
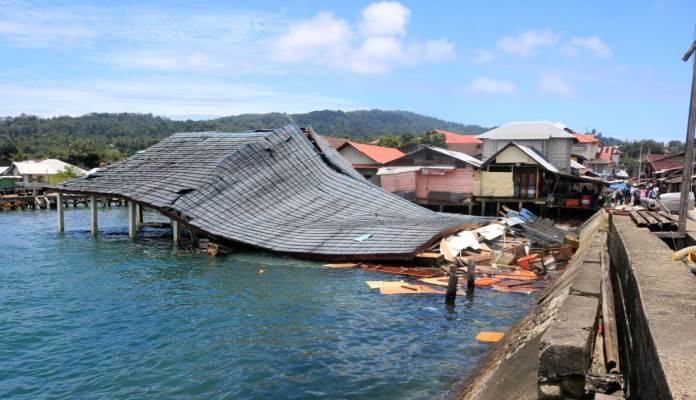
[281, 190]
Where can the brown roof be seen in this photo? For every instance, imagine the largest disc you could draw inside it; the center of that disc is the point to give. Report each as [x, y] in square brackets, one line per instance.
[334, 141]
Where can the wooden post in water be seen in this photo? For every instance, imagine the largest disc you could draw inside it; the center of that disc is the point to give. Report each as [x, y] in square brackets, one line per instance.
[470, 274]
[132, 224]
[452, 284]
[61, 212]
[140, 214]
[93, 215]
[176, 233]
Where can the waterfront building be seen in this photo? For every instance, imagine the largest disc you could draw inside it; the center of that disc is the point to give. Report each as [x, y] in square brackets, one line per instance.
[551, 140]
[432, 176]
[37, 174]
[368, 158]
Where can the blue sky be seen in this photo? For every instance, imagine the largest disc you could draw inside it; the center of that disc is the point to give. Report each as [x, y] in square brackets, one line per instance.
[613, 66]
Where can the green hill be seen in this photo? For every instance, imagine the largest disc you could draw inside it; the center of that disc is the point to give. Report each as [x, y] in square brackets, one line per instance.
[90, 139]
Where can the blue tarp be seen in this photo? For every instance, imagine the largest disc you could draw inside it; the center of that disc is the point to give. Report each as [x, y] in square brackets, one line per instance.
[617, 185]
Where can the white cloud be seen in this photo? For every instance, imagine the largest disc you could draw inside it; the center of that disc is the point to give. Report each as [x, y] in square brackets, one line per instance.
[525, 43]
[176, 97]
[593, 44]
[326, 40]
[437, 50]
[386, 18]
[556, 85]
[483, 56]
[323, 36]
[484, 84]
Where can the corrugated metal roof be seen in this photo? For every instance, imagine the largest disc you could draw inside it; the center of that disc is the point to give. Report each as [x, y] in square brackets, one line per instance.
[401, 170]
[452, 137]
[49, 166]
[527, 131]
[282, 191]
[576, 165]
[458, 155]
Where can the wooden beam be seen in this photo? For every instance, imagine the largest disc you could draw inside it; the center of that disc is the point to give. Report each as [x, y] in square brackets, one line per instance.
[637, 218]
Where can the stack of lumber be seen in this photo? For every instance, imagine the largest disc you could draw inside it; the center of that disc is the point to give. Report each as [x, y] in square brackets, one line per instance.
[653, 220]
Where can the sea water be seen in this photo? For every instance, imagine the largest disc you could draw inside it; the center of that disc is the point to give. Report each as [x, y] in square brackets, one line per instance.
[111, 318]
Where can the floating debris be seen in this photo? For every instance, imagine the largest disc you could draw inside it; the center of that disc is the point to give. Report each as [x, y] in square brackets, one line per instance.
[489, 336]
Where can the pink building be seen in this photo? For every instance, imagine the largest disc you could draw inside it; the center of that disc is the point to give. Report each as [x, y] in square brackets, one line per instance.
[431, 175]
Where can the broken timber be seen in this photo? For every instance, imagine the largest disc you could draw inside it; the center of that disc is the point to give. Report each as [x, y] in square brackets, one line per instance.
[283, 190]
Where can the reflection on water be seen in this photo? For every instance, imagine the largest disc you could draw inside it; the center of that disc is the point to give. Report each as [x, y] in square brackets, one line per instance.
[110, 318]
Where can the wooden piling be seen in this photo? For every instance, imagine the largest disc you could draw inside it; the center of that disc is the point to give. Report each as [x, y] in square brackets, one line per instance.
[470, 274]
[93, 215]
[452, 284]
[60, 207]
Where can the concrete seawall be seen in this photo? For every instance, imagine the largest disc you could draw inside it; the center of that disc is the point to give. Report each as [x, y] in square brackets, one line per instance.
[656, 314]
[547, 352]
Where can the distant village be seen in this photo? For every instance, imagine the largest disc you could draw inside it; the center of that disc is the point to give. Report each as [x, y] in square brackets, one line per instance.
[540, 165]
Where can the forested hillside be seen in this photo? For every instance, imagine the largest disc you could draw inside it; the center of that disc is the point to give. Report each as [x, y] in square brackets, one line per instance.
[94, 138]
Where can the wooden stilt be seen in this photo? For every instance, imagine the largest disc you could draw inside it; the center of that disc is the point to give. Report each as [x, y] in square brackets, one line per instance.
[132, 225]
[452, 285]
[140, 213]
[93, 215]
[483, 208]
[176, 233]
[60, 207]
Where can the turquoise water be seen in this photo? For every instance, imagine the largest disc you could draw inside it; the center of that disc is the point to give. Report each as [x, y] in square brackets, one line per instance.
[113, 319]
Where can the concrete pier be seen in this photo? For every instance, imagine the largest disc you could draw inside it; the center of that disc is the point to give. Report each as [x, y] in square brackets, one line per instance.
[60, 207]
[93, 215]
[655, 313]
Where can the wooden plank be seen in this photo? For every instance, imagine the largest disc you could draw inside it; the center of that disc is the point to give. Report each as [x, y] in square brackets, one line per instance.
[637, 219]
[652, 222]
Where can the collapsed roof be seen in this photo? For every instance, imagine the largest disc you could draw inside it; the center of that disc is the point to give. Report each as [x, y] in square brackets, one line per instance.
[281, 190]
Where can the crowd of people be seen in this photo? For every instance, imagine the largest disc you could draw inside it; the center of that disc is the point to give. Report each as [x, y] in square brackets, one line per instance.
[630, 195]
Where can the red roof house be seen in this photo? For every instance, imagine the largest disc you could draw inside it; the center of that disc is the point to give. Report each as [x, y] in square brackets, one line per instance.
[467, 144]
[367, 158]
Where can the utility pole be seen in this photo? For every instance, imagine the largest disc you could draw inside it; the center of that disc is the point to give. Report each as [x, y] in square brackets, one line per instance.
[640, 162]
[689, 154]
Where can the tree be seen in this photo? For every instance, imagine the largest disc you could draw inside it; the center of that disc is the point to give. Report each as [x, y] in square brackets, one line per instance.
[69, 172]
[81, 152]
[434, 139]
[7, 152]
[675, 146]
[388, 140]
